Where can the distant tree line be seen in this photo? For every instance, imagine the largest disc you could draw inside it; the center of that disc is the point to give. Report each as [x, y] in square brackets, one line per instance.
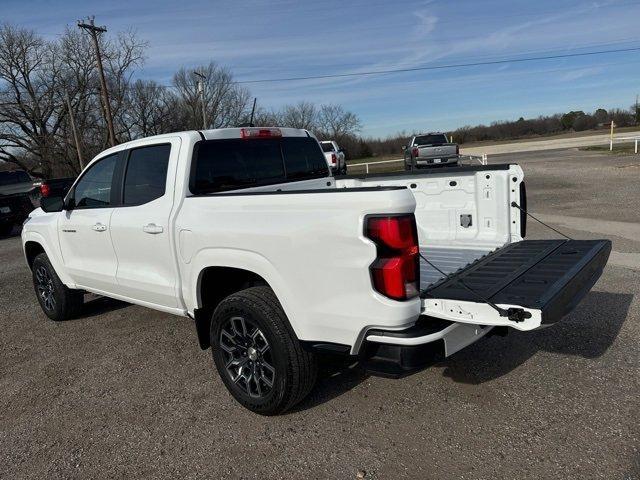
[574, 121]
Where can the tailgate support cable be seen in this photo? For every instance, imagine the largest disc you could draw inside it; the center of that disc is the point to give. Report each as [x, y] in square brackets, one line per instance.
[515, 205]
[514, 314]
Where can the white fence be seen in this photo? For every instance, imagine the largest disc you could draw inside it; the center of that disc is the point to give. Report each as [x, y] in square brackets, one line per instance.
[481, 159]
[634, 139]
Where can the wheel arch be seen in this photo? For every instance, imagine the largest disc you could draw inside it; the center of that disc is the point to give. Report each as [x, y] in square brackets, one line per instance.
[31, 250]
[33, 244]
[217, 278]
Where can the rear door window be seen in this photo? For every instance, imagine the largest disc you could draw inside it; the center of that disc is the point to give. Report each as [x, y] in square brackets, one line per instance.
[146, 174]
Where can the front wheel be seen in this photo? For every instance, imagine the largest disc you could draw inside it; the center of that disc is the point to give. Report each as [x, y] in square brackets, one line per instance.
[58, 301]
[257, 354]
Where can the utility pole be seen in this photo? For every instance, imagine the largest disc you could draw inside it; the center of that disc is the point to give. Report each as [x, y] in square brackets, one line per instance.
[73, 130]
[253, 111]
[94, 31]
[201, 79]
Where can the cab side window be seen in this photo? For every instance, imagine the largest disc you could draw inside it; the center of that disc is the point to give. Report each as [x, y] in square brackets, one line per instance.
[93, 190]
[146, 175]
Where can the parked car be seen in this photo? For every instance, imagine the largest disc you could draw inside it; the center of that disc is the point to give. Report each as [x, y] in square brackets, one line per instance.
[335, 156]
[231, 228]
[16, 187]
[429, 150]
[55, 187]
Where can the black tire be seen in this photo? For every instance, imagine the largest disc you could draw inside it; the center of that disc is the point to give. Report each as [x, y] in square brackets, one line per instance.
[261, 349]
[56, 300]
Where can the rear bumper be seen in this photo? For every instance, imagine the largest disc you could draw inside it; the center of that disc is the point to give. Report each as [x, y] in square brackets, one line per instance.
[437, 160]
[398, 353]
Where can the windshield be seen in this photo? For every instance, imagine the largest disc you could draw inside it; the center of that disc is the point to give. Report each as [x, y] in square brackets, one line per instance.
[438, 139]
[327, 146]
[11, 178]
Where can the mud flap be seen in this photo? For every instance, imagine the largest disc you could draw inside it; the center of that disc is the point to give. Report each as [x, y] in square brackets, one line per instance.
[543, 279]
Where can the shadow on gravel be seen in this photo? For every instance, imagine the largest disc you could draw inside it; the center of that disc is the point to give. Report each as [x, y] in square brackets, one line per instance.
[588, 332]
[99, 305]
[334, 379]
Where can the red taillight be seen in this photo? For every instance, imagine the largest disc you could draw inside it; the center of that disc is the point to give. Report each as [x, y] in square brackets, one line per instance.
[396, 271]
[415, 152]
[45, 190]
[260, 132]
[333, 158]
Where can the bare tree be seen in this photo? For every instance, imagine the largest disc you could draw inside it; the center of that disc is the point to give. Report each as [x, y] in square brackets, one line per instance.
[337, 123]
[226, 103]
[36, 76]
[31, 113]
[300, 115]
[152, 110]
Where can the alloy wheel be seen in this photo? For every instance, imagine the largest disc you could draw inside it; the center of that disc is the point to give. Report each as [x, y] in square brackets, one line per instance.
[247, 357]
[44, 284]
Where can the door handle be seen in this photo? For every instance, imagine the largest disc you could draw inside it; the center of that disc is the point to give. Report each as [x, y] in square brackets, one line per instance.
[99, 227]
[152, 228]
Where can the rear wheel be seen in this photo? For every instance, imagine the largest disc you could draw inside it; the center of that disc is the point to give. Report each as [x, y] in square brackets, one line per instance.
[57, 301]
[257, 354]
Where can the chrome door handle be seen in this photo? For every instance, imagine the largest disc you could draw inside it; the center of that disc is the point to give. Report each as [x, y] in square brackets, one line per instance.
[99, 227]
[152, 228]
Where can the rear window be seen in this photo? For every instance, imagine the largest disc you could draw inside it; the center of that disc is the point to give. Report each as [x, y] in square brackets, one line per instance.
[10, 178]
[327, 147]
[220, 165]
[430, 139]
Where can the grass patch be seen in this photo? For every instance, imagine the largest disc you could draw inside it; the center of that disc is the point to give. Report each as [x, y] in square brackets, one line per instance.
[624, 148]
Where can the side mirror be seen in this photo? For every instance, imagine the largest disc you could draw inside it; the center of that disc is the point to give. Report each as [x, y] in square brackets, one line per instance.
[52, 204]
[404, 147]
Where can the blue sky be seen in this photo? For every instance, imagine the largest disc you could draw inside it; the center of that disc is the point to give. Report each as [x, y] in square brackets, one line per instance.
[261, 39]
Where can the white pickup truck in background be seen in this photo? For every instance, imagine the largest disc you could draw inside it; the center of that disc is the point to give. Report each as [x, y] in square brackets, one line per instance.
[231, 228]
[430, 150]
[335, 156]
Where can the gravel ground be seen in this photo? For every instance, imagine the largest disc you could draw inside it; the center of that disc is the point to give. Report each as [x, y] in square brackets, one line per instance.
[126, 392]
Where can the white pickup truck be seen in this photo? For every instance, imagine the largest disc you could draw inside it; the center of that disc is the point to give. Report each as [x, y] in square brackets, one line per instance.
[335, 156]
[245, 231]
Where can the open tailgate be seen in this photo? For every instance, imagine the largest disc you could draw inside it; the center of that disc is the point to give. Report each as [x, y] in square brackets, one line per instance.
[544, 278]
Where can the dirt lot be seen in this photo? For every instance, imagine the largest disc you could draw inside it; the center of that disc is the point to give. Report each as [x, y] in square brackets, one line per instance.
[126, 392]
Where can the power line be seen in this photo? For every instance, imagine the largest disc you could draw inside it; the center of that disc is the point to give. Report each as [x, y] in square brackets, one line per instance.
[421, 68]
[439, 67]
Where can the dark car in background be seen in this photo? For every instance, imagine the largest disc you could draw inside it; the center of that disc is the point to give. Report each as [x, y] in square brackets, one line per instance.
[56, 187]
[16, 190]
